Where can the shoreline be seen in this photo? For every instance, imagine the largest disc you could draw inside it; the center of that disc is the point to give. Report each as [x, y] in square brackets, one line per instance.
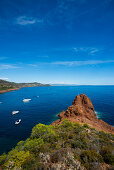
[8, 90]
[18, 88]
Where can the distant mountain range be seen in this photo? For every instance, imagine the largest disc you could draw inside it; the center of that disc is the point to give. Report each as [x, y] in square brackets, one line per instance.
[5, 85]
[64, 84]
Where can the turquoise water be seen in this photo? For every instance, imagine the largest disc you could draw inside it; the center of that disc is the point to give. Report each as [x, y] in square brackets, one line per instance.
[43, 109]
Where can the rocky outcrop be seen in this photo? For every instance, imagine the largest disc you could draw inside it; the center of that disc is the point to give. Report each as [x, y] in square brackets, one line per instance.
[82, 111]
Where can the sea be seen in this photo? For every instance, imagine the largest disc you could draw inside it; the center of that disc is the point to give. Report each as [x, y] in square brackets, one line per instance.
[45, 104]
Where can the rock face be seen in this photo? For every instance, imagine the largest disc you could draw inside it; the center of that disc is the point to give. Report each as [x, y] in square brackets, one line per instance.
[82, 111]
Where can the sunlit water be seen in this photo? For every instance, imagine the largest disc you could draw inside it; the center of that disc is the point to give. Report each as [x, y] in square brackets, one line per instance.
[45, 104]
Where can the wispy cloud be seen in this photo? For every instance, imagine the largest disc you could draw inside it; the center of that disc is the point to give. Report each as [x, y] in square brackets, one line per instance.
[89, 50]
[81, 63]
[3, 78]
[32, 65]
[24, 20]
[8, 66]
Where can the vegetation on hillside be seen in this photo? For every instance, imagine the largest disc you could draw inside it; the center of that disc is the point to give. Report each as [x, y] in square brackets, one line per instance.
[4, 85]
[65, 146]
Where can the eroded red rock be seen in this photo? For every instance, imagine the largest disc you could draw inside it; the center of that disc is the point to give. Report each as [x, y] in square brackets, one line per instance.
[82, 111]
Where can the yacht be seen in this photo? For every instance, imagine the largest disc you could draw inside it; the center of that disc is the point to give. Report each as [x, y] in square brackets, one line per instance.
[15, 112]
[26, 100]
[17, 122]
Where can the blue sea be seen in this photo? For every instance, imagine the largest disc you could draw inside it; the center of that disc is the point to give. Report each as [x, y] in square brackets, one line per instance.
[45, 104]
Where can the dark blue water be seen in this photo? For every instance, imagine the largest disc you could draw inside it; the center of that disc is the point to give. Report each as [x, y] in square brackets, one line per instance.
[43, 109]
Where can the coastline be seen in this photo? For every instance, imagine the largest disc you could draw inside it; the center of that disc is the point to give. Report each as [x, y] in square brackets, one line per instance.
[18, 88]
[8, 90]
[6, 86]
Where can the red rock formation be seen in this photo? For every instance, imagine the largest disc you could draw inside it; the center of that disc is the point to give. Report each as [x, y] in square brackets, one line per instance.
[82, 111]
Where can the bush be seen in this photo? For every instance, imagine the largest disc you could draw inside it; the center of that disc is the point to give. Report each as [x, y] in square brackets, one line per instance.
[107, 155]
[86, 125]
[77, 124]
[3, 158]
[78, 129]
[79, 144]
[90, 156]
[33, 145]
[20, 145]
[42, 131]
[66, 123]
[19, 160]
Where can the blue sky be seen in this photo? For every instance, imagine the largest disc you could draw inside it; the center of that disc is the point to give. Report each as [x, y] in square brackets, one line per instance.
[57, 41]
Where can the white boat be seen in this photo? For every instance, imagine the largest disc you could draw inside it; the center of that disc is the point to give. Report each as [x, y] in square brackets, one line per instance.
[26, 100]
[15, 112]
[38, 96]
[0, 102]
[17, 122]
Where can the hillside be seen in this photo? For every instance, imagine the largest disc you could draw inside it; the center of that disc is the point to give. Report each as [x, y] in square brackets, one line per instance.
[66, 146]
[6, 85]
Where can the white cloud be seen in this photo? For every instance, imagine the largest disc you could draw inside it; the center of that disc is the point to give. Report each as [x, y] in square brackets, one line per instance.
[24, 20]
[93, 51]
[81, 63]
[32, 65]
[89, 50]
[8, 66]
[3, 78]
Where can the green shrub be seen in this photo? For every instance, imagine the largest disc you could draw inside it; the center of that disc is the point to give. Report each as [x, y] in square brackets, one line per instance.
[42, 131]
[78, 129]
[33, 145]
[20, 145]
[86, 125]
[66, 123]
[3, 158]
[79, 144]
[77, 124]
[90, 156]
[77, 156]
[107, 155]
[19, 160]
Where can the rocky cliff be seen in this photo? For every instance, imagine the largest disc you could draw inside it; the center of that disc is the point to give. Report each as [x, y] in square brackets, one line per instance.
[82, 111]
